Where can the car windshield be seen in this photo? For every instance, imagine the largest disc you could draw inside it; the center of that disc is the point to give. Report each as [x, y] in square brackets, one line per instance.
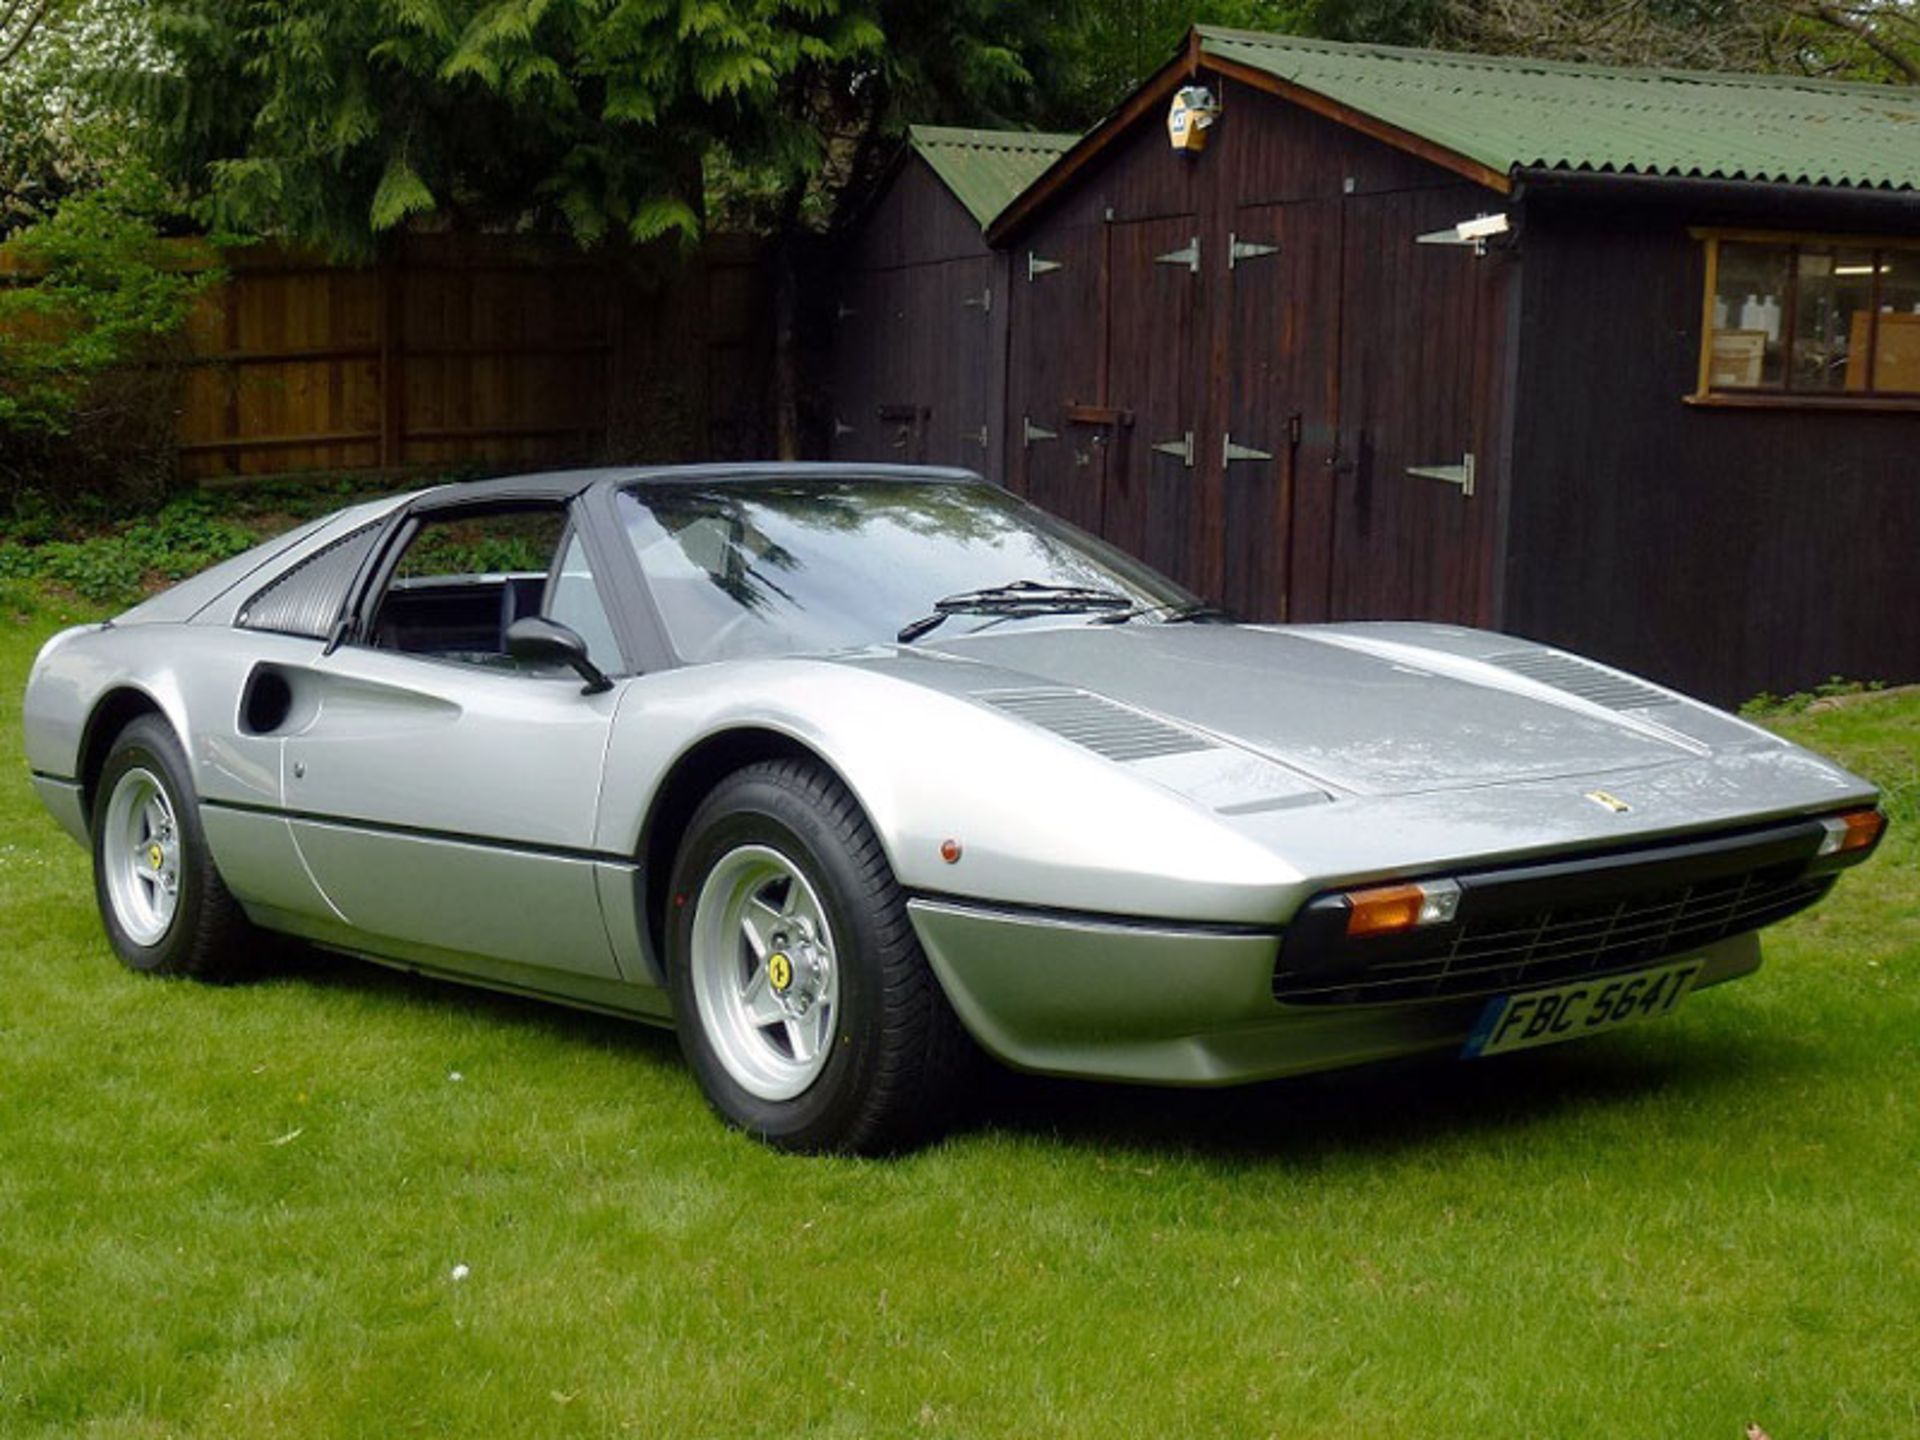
[785, 567]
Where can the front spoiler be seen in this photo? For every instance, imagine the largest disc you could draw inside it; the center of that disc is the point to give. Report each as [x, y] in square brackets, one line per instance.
[1167, 1005]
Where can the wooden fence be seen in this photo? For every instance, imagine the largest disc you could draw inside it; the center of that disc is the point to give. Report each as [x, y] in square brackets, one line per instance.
[495, 350]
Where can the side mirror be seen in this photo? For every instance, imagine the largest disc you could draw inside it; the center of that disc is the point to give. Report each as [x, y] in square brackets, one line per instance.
[548, 642]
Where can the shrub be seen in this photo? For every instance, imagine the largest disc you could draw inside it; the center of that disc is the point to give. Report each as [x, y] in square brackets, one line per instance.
[91, 346]
[120, 566]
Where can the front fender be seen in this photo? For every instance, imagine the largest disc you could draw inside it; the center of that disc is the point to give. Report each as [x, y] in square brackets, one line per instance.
[1039, 820]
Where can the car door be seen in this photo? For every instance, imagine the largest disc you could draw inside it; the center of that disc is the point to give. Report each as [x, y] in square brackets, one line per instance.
[443, 797]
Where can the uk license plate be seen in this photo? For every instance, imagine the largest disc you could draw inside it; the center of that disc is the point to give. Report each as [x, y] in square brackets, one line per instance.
[1582, 1007]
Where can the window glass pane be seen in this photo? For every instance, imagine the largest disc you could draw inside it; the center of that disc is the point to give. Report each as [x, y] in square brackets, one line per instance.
[1749, 308]
[784, 567]
[575, 603]
[1832, 310]
[516, 542]
[465, 578]
[1897, 357]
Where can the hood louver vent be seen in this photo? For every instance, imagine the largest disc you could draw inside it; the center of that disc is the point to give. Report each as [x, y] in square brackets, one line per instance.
[1577, 677]
[1096, 724]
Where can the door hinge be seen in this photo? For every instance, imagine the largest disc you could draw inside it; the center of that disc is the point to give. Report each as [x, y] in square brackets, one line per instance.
[1036, 267]
[1031, 434]
[978, 437]
[1181, 449]
[1296, 428]
[844, 312]
[1230, 452]
[983, 302]
[1189, 257]
[840, 427]
[1461, 474]
[1238, 250]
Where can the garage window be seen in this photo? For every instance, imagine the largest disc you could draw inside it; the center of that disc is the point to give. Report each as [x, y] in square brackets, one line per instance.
[1810, 319]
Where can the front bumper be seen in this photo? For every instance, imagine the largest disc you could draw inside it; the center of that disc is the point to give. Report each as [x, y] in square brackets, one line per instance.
[65, 803]
[1180, 1004]
[1169, 1006]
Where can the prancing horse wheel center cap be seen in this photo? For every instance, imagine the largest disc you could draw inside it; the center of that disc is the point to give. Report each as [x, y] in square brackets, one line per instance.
[780, 972]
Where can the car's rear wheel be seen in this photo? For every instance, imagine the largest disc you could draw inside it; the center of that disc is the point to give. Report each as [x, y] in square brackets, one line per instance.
[165, 908]
[806, 1008]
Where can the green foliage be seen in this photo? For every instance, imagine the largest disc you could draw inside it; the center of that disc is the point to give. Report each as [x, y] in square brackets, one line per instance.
[106, 295]
[1767, 706]
[119, 566]
[335, 120]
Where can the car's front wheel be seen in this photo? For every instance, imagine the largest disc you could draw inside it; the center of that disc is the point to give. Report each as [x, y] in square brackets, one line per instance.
[805, 1005]
[165, 908]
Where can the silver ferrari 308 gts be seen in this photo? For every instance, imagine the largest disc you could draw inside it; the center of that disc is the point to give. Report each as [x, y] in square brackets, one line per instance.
[854, 773]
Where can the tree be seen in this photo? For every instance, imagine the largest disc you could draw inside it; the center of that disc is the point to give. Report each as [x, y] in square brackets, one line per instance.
[1875, 40]
[336, 120]
[58, 136]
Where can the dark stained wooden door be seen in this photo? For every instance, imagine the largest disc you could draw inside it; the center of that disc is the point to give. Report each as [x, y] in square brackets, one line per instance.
[878, 386]
[1282, 409]
[958, 359]
[1154, 388]
[1058, 343]
[1420, 386]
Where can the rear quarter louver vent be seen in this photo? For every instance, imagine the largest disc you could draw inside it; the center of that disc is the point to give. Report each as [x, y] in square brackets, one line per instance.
[1578, 677]
[1098, 725]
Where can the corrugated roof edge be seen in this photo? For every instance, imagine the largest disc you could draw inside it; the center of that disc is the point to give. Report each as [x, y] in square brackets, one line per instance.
[1754, 177]
[1473, 59]
[947, 150]
[1023, 140]
[1225, 45]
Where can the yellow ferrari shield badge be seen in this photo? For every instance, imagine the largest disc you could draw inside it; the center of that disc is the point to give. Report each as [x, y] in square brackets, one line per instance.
[779, 972]
[156, 857]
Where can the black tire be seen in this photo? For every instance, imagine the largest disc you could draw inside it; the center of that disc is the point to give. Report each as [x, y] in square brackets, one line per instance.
[898, 1055]
[207, 936]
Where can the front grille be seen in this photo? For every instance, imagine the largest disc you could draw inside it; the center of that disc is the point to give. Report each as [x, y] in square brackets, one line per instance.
[1517, 948]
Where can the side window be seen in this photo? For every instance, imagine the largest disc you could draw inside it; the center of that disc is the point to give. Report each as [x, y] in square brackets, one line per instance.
[574, 601]
[306, 600]
[465, 577]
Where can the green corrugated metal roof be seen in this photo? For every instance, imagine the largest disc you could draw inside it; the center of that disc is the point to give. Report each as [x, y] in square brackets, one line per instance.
[1507, 113]
[986, 169]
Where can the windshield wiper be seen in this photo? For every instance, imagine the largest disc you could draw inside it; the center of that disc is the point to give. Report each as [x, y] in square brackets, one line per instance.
[1177, 612]
[1016, 599]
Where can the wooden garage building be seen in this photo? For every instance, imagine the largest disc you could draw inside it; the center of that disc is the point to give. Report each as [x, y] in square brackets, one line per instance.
[921, 337]
[1627, 361]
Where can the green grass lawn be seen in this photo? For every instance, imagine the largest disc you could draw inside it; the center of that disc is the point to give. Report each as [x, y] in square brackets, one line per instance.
[237, 1212]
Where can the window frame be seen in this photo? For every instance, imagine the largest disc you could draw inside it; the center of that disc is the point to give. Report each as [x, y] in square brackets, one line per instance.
[1784, 397]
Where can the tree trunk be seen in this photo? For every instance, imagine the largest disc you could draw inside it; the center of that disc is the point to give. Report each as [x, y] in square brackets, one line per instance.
[786, 348]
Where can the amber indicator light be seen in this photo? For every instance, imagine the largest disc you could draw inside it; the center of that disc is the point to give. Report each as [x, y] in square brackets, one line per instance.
[1384, 909]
